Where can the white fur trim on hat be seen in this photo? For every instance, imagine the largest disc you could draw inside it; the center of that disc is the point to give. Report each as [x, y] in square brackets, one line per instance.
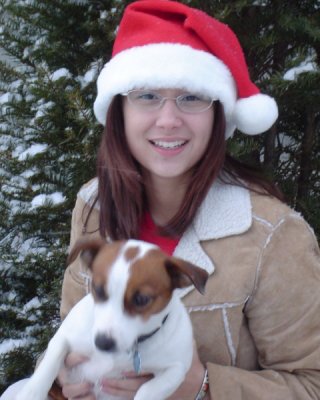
[166, 65]
[172, 65]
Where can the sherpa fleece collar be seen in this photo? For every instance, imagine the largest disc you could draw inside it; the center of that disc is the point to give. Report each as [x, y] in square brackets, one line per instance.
[226, 211]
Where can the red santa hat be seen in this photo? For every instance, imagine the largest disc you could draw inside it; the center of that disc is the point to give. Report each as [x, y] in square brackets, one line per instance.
[166, 44]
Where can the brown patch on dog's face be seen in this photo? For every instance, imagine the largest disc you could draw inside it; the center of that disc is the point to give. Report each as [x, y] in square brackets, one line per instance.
[101, 266]
[149, 286]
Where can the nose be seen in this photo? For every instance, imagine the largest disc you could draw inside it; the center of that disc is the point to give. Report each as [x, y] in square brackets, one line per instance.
[169, 115]
[104, 342]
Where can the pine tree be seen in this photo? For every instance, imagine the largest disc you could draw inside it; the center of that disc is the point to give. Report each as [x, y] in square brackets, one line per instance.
[281, 40]
[49, 137]
[48, 142]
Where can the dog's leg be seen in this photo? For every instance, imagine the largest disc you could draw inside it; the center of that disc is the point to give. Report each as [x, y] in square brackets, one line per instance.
[163, 384]
[39, 384]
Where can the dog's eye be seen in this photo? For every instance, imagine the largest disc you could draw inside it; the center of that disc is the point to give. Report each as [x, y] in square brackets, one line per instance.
[141, 300]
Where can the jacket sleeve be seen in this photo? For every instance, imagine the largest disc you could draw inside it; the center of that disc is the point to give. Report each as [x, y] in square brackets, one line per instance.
[284, 319]
[76, 282]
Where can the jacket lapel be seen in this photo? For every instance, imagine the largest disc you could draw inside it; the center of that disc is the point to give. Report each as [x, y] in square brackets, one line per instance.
[226, 211]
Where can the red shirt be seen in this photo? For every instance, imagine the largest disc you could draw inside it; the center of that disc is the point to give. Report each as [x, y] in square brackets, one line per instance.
[149, 233]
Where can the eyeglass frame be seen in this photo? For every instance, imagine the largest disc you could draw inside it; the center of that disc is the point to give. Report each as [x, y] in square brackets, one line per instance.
[163, 99]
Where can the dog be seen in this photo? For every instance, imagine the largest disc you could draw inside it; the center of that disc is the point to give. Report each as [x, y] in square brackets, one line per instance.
[132, 320]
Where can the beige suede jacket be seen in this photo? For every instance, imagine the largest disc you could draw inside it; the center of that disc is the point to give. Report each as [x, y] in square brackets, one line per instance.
[257, 327]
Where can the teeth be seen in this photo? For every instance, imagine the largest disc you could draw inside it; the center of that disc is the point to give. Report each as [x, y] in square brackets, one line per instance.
[168, 145]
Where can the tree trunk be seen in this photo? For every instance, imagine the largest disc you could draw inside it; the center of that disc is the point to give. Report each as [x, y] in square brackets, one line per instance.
[269, 149]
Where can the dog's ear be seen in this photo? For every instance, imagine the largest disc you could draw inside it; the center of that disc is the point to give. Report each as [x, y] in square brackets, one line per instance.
[184, 274]
[87, 248]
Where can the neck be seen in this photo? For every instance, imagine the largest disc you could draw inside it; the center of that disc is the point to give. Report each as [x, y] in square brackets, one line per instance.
[165, 197]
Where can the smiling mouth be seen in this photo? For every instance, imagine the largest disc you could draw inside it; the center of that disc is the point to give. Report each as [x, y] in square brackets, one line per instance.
[168, 145]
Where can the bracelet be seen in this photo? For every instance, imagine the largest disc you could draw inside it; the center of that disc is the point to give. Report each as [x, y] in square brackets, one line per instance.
[204, 387]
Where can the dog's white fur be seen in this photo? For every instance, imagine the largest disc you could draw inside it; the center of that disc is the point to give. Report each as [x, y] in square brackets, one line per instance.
[167, 353]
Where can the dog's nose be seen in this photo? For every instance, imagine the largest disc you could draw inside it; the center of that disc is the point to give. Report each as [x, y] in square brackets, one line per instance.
[105, 343]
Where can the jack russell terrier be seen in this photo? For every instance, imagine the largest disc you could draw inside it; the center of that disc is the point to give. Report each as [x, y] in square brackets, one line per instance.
[132, 320]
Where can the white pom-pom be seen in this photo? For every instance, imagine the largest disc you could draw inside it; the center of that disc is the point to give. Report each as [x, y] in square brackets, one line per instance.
[255, 114]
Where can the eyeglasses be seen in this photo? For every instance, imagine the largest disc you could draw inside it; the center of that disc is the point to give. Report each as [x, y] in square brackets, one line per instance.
[151, 100]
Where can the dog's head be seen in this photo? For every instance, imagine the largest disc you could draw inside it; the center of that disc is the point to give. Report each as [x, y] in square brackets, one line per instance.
[132, 286]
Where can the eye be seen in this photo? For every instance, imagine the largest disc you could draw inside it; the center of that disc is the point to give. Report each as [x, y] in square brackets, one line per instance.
[189, 97]
[141, 300]
[143, 96]
[148, 96]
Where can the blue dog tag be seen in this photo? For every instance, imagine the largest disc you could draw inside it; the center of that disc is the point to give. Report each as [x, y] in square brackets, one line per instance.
[136, 360]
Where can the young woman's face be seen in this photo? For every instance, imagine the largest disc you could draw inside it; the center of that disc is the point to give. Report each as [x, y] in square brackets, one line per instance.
[167, 142]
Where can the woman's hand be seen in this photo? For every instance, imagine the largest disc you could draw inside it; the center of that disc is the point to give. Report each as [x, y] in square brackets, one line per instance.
[79, 391]
[127, 386]
[130, 383]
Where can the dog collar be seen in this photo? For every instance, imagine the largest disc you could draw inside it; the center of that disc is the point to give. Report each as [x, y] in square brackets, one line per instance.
[142, 338]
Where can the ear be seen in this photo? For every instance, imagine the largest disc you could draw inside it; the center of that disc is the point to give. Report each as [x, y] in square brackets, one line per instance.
[184, 274]
[87, 248]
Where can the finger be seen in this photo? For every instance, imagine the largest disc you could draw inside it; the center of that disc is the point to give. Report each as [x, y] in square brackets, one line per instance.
[122, 394]
[116, 391]
[125, 387]
[90, 397]
[72, 360]
[132, 374]
[78, 390]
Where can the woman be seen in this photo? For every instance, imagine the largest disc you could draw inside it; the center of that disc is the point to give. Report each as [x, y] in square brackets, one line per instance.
[175, 89]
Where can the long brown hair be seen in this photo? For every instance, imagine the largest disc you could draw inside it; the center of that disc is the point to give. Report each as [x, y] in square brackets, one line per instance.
[121, 192]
